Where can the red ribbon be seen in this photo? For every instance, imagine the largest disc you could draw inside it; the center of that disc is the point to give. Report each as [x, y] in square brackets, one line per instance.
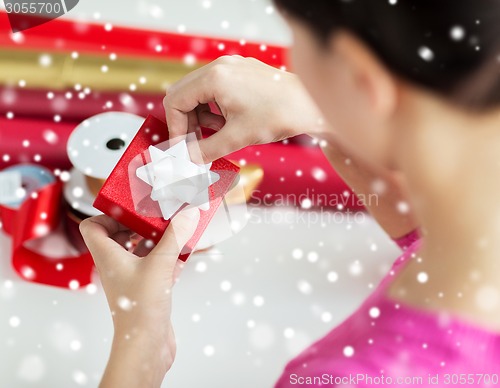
[38, 216]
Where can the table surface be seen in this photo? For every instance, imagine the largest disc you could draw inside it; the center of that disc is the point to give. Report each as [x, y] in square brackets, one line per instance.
[63, 336]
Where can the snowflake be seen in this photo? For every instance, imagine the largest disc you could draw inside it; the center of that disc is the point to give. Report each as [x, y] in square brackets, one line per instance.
[326, 317]
[374, 312]
[426, 53]
[258, 300]
[74, 284]
[201, 266]
[355, 269]
[124, 303]
[238, 298]
[75, 345]
[403, 207]
[288, 332]
[91, 288]
[332, 276]
[45, 60]
[77, 192]
[14, 321]
[348, 351]
[297, 254]
[209, 350]
[457, 33]
[312, 257]
[306, 204]
[50, 136]
[305, 287]
[225, 285]
[422, 277]
[319, 174]
[80, 378]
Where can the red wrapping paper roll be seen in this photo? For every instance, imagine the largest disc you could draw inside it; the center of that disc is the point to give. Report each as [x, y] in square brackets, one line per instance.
[68, 36]
[40, 141]
[35, 103]
[318, 179]
[297, 176]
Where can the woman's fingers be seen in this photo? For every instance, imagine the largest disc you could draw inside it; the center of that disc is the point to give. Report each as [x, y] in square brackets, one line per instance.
[220, 144]
[183, 98]
[210, 120]
[143, 248]
[123, 238]
[179, 266]
[98, 235]
[177, 234]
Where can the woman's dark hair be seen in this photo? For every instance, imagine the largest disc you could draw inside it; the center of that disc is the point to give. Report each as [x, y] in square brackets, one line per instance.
[448, 46]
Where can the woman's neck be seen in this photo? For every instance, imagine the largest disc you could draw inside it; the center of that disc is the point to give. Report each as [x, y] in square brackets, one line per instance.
[452, 162]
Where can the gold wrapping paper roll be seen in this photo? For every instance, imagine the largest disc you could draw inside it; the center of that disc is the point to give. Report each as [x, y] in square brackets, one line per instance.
[59, 71]
[94, 184]
[251, 176]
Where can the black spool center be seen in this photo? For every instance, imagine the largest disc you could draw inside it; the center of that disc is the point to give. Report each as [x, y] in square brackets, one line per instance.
[115, 144]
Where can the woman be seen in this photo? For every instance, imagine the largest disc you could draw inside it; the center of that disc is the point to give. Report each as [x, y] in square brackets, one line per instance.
[409, 92]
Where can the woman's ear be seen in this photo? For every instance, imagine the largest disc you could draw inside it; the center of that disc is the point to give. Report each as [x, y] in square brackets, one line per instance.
[373, 81]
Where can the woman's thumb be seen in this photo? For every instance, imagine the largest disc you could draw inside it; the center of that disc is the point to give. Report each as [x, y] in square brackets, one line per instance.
[178, 233]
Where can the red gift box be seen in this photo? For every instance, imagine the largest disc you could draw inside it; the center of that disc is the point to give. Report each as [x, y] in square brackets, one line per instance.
[116, 198]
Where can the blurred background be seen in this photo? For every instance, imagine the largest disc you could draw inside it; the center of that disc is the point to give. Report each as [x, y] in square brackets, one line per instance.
[243, 306]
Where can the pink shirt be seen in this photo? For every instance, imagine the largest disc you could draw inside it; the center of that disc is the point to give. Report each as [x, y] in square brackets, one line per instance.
[387, 343]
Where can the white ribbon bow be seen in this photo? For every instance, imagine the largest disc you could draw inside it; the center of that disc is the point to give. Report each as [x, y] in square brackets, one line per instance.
[176, 180]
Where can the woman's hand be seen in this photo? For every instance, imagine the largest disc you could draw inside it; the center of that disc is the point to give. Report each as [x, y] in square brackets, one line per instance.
[138, 288]
[261, 104]
[258, 104]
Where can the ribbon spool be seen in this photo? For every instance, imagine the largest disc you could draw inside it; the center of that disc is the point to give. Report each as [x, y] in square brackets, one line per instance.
[79, 199]
[97, 144]
[32, 218]
[94, 148]
[30, 179]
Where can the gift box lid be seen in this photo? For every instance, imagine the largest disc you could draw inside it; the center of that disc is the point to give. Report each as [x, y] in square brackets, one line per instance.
[116, 198]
